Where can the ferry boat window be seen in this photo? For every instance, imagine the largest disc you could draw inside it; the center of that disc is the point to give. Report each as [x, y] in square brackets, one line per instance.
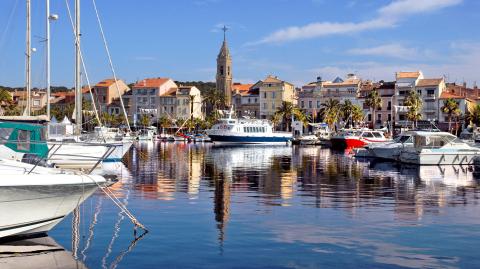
[378, 135]
[23, 140]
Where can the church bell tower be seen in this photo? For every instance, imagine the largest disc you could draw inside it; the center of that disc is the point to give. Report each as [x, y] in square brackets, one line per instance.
[224, 71]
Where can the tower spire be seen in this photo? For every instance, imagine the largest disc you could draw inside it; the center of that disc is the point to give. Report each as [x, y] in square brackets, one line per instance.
[224, 29]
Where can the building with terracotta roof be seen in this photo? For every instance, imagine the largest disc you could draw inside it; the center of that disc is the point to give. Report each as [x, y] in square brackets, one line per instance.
[341, 89]
[383, 115]
[273, 91]
[189, 103]
[105, 91]
[245, 99]
[429, 89]
[146, 94]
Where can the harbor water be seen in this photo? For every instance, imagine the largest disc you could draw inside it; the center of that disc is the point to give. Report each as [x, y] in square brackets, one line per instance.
[209, 206]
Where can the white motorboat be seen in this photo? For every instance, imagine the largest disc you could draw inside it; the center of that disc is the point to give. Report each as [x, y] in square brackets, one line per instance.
[390, 150]
[246, 131]
[35, 199]
[306, 140]
[438, 148]
[148, 134]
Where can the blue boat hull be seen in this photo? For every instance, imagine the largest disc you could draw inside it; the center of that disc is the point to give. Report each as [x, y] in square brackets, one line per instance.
[249, 139]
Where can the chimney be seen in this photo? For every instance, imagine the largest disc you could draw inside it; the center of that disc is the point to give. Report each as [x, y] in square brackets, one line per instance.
[464, 84]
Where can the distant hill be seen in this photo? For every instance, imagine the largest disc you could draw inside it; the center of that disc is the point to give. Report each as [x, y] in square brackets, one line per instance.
[202, 86]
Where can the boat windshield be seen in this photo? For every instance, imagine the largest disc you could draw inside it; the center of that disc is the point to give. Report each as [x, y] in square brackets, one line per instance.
[403, 139]
[433, 141]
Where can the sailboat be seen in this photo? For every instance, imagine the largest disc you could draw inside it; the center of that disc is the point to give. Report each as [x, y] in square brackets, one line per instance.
[97, 145]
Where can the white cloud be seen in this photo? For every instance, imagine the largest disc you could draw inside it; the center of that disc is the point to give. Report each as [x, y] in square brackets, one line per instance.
[461, 65]
[388, 16]
[388, 50]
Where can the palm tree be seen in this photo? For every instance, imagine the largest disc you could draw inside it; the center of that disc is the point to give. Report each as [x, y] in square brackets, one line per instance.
[451, 108]
[145, 120]
[330, 111]
[357, 114]
[286, 111]
[215, 99]
[414, 103]
[374, 102]
[473, 115]
[346, 111]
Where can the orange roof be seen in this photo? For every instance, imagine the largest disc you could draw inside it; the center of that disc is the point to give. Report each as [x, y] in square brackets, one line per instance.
[242, 88]
[429, 82]
[415, 74]
[150, 83]
[105, 83]
[446, 95]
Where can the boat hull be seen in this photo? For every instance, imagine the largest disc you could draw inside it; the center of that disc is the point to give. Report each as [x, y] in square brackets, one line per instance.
[120, 150]
[438, 158]
[35, 203]
[343, 143]
[231, 139]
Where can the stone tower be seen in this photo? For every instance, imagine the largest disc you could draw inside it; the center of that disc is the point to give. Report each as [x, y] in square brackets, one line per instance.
[224, 71]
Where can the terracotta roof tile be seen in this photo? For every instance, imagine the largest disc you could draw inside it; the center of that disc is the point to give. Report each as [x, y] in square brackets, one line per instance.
[446, 95]
[105, 83]
[150, 83]
[415, 74]
[241, 88]
[429, 82]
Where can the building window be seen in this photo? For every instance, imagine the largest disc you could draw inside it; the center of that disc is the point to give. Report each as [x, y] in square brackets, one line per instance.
[273, 95]
[430, 92]
[255, 100]
[264, 105]
[369, 117]
[273, 105]
[318, 104]
[265, 95]
[419, 92]
[310, 104]
[389, 106]
[302, 104]
[229, 70]
[249, 100]
[221, 70]
[389, 117]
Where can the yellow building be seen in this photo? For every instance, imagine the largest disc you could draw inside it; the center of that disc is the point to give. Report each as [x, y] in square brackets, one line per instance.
[273, 92]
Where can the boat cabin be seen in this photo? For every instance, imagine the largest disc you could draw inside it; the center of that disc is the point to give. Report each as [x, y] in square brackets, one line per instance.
[433, 140]
[25, 138]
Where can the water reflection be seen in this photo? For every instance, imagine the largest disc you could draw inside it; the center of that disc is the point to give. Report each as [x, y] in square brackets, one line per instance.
[40, 252]
[285, 175]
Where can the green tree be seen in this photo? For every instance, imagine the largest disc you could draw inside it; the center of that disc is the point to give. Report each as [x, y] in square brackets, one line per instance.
[329, 112]
[215, 99]
[374, 102]
[286, 111]
[473, 115]
[415, 104]
[145, 120]
[357, 114]
[452, 109]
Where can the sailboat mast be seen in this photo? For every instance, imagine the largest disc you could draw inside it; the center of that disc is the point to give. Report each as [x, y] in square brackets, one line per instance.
[78, 82]
[28, 52]
[47, 73]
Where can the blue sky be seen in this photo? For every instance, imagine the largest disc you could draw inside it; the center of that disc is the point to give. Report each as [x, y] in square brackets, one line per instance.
[297, 40]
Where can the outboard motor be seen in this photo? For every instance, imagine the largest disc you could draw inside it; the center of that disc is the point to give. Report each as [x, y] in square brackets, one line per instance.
[35, 160]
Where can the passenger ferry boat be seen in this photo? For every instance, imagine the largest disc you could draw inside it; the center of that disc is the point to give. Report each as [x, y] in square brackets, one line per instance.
[246, 131]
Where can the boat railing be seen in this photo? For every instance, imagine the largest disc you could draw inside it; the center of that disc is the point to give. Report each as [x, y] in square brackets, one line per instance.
[53, 152]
